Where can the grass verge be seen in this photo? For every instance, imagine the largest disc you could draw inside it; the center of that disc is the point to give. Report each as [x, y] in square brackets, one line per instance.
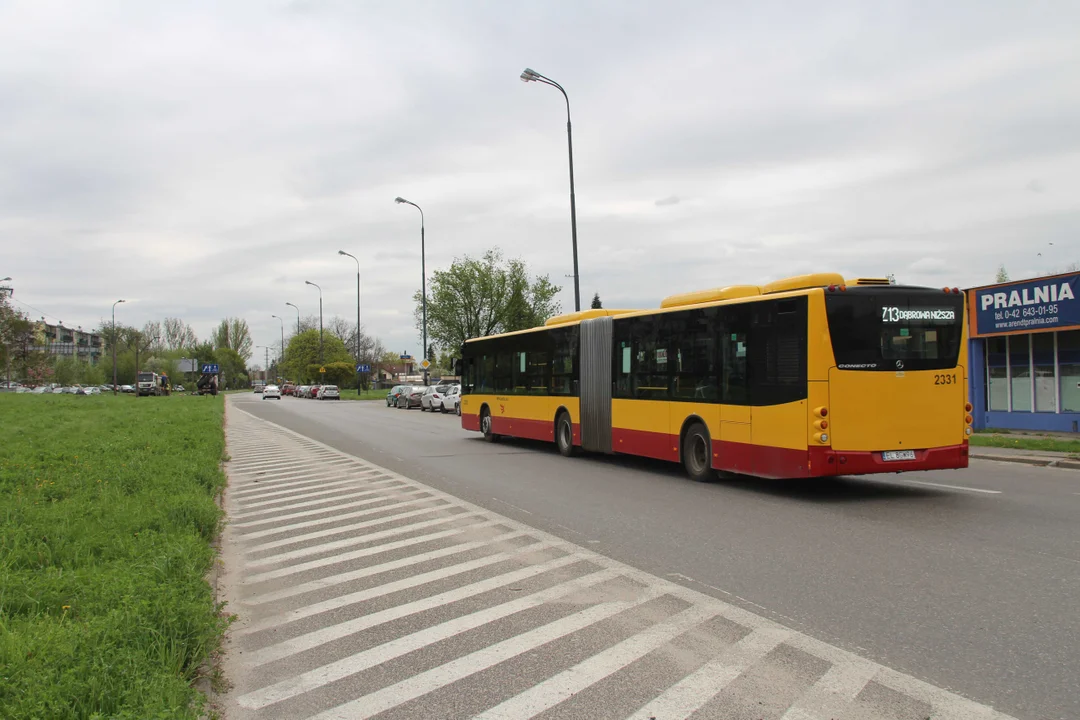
[108, 515]
[1024, 442]
[364, 395]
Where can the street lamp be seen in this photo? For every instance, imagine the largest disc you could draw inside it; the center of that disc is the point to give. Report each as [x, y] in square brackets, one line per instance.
[297, 316]
[114, 347]
[308, 282]
[282, 335]
[530, 75]
[342, 252]
[423, 280]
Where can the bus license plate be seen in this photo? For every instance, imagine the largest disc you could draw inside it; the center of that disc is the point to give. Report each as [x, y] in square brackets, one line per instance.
[898, 455]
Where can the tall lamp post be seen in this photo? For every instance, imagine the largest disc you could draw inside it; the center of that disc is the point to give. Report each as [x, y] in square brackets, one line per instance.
[114, 348]
[297, 316]
[308, 282]
[423, 281]
[282, 336]
[530, 75]
[266, 366]
[342, 252]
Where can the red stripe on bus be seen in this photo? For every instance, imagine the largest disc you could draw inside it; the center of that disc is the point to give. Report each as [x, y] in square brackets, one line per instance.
[521, 428]
[760, 460]
[470, 421]
[826, 461]
[645, 443]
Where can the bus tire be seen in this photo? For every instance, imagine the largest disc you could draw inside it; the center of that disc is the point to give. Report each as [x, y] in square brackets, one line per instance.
[485, 427]
[697, 453]
[564, 435]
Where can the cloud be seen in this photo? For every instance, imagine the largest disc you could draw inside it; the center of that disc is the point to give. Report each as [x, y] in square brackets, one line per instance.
[208, 158]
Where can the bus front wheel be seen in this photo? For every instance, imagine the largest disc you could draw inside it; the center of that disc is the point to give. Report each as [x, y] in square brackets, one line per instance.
[564, 435]
[697, 453]
[485, 427]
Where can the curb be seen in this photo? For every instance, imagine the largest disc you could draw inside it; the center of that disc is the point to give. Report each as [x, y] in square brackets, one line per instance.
[1037, 462]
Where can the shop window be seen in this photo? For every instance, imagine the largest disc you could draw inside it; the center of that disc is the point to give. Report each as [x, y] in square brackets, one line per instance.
[996, 375]
[1069, 370]
[1020, 372]
[1042, 355]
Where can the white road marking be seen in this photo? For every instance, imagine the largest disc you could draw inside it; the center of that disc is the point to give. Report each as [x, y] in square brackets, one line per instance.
[330, 532]
[337, 518]
[307, 503]
[686, 697]
[313, 679]
[561, 687]
[379, 497]
[425, 682]
[953, 487]
[838, 686]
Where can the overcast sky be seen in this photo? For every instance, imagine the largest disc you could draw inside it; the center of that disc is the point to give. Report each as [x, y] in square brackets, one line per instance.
[204, 159]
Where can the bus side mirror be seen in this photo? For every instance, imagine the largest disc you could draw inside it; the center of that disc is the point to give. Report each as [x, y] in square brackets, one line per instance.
[457, 364]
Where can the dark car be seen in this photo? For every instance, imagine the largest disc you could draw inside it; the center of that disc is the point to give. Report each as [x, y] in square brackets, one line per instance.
[392, 396]
[411, 396]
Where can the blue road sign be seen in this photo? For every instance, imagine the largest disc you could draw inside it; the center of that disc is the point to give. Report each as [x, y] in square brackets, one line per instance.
[363, 368]
[406, 357]
[210, 369]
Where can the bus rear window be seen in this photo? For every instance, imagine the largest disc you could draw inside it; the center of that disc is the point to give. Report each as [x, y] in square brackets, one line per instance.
[895, 329]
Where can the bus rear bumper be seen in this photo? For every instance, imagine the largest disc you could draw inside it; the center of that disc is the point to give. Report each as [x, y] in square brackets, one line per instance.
[826, 461]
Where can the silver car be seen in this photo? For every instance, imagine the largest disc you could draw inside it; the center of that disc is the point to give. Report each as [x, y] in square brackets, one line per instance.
[329, 392]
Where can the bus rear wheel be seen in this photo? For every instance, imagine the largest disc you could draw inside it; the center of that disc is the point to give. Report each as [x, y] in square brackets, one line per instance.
[485, 427]
[564, 435]
[697, 453]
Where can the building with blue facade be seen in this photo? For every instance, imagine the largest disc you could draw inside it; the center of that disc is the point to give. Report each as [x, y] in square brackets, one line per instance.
[1024, 354]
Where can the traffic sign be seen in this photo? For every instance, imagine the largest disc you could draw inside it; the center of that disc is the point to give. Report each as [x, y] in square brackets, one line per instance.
[425, 363]
[210, 369]
[363, 368]
[322, 369]
[405, 357]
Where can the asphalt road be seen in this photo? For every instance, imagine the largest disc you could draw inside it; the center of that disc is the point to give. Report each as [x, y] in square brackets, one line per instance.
[967, 580]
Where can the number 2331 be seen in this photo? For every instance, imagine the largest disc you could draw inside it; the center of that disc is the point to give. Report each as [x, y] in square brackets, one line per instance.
[947, 379]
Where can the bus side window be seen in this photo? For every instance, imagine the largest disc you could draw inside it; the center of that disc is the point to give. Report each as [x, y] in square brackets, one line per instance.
[734, 340]
[649, 358]
[622, 360]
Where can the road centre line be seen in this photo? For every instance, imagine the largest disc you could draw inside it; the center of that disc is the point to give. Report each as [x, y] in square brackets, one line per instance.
[277, 530]
[443, 675]
[330, 532]
[380, 568]
[365, 552]
[329, 633]
[953, 487]
[313, 679]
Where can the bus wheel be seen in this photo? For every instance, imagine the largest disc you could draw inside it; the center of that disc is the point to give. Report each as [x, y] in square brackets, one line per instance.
[564, 435]
[697, 452]
[485, 427]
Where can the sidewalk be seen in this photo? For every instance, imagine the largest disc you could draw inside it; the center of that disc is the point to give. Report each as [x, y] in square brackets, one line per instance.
[1041, 458]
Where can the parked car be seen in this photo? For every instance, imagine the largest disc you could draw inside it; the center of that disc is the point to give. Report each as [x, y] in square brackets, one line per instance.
[93, 390]
[451, 400]
[432, 397]
[41, 390]
[127, 388]
[258, 389]
[287, 389]
[329, 392]
[271, 391]
[179, 388]
[392, 396]
[410, 397]
[315, 392]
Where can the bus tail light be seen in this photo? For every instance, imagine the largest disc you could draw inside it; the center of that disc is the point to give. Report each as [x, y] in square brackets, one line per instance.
[967, 419]
[821, 411]
[967, 431]
[821, 424]
[822, 437]
[967, 407]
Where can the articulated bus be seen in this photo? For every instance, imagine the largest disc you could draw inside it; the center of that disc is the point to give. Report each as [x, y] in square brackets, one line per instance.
[804, 377]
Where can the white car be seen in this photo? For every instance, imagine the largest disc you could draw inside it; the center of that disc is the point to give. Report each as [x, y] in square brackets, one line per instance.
[329, 392]
[451, 400]
[271, 391]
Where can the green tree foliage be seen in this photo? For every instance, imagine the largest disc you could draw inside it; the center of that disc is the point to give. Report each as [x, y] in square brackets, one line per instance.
[233, 333]
[303, 353]
[596, 304]
[177, 335]
[477, 297]
[21, 340]
[1002, 274]
[342, 374]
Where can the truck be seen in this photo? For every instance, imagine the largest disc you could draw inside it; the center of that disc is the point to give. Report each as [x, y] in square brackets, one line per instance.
[149, 383]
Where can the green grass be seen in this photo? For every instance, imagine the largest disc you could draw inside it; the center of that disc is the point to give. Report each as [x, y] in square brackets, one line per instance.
[364, 395]
[1024, 442]
[106, 525]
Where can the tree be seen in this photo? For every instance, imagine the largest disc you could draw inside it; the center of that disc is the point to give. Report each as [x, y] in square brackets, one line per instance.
[1002, 274]
[478, 297]
[233, 333]
[177, 334]
[596, 304]
[303, 353]
[343, 330]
